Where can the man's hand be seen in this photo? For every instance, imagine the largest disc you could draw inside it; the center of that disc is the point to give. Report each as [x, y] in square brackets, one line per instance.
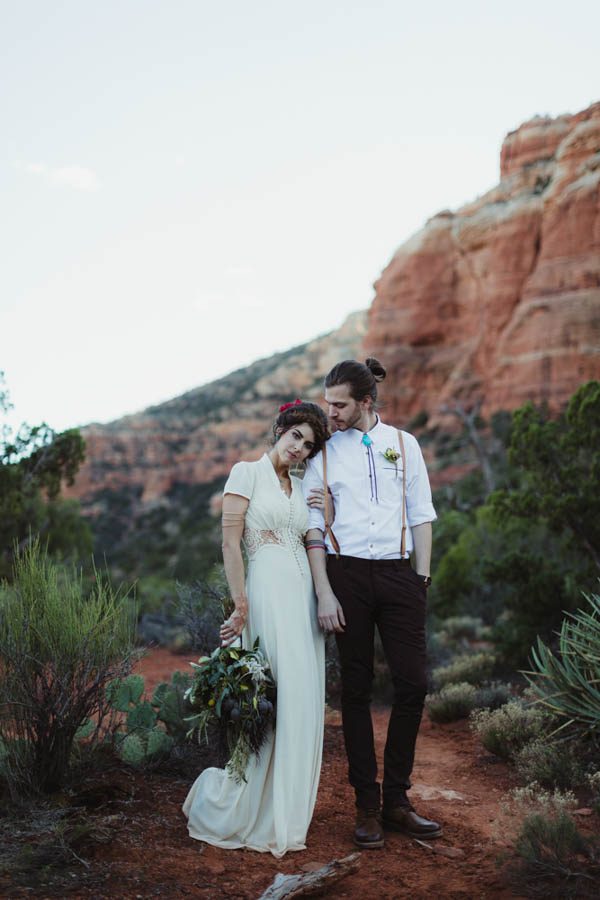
[330, 613]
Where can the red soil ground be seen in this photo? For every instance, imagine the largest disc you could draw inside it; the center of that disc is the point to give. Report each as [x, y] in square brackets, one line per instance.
[149, 854]
[153, 855]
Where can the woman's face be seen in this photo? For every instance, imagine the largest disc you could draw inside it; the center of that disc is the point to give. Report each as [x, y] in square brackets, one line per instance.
[295, 445]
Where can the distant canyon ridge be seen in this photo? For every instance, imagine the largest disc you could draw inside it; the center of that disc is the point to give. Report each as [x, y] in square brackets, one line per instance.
[496, 303]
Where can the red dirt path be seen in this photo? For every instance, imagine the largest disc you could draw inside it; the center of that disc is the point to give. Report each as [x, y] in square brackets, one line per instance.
[147, 851]
[153, 855]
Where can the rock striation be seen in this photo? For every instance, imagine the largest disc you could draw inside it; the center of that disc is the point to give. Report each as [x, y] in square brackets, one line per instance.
[499, 302]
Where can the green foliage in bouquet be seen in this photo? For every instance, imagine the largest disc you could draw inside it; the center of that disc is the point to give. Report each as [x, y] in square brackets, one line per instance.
[234, 690]
[567, 683]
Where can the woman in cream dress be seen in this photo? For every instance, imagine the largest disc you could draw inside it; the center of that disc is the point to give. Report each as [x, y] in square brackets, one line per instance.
[263, 506]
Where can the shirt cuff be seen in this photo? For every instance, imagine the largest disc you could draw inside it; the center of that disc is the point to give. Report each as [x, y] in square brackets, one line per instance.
[316, 519]
[418, 515]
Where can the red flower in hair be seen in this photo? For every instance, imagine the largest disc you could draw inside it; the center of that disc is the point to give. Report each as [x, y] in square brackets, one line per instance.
[285, 406]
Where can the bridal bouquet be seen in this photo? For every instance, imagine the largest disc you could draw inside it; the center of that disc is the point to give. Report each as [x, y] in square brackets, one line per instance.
[234, 690]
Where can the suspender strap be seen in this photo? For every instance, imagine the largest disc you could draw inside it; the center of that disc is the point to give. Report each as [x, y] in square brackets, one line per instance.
[403, 455]
[327, 498]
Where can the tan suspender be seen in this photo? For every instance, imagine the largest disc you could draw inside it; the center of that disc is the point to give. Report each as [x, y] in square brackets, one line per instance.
[403, 455]
[328, 528]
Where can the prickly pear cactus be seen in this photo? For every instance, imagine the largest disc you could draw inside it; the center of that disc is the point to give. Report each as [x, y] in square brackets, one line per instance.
[141, 716]
[131, 750]
[141, 739]
[171, 705]
[159, 743]
[122, 693]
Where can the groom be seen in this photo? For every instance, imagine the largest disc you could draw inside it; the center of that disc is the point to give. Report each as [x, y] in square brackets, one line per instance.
[364, 578]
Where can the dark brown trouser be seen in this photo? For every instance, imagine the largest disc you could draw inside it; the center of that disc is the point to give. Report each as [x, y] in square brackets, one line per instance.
[388, 594]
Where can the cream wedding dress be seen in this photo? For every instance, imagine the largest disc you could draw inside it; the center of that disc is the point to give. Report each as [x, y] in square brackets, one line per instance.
[273, 809]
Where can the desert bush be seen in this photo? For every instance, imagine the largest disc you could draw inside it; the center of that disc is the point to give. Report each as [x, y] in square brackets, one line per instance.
[471, 667]
[202, 606]
[493, 695]
[567, 683]
[551, 764]
[506, 730]
[553, 857]
[59, 649]
[452, 702]
[468, 628]
[593, 782]
[457, 701]
[554, 851]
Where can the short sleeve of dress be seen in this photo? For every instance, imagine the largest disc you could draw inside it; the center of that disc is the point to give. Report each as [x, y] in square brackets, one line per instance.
[241, 480]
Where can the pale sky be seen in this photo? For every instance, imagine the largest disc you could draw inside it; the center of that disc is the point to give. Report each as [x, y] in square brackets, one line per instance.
[189, 186]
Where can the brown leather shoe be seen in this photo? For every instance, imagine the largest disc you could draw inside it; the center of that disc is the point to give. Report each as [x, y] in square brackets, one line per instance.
[368, 834]
[405, 819]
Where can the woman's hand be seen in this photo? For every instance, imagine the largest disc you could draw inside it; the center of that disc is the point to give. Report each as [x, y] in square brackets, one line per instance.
[330, 613]
[233, 626]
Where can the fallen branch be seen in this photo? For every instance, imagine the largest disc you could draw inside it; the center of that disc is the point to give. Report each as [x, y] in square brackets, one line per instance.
[286, 886]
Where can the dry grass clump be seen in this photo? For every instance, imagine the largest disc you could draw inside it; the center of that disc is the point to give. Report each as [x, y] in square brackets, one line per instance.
[474, 668]
[552, 857]
[505, 731]
[457, 701]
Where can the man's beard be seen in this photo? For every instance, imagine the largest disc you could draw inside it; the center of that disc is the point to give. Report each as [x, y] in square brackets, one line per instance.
[350, 424]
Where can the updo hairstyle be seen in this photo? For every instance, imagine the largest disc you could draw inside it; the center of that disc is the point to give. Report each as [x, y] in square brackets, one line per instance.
[361, 378]
[300, 414]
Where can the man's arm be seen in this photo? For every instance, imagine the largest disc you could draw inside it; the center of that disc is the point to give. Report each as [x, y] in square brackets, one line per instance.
[329, 611]
[421, 535]
[419, 508]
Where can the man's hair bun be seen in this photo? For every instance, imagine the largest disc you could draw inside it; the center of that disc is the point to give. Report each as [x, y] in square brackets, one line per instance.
[377, 370]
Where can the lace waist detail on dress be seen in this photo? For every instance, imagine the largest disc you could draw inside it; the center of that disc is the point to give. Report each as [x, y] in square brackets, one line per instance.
[255, 538]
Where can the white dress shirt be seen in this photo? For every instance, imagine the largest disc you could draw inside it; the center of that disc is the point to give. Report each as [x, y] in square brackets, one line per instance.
[368, 505]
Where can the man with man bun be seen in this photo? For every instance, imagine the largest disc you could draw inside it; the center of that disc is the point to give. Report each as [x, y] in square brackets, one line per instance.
[364, 579]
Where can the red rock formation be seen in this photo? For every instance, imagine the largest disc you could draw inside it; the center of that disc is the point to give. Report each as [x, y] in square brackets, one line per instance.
[501, 300]
[498, 302]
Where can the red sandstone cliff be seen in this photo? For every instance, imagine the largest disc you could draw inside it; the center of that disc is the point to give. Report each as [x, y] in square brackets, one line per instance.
[500, 301]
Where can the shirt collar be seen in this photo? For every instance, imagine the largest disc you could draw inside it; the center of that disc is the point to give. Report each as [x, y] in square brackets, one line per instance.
[374, 432]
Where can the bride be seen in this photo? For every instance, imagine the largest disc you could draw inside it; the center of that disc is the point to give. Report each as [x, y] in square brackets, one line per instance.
[263, 505]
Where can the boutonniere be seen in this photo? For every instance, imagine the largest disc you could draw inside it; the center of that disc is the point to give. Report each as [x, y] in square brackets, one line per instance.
[392, 456]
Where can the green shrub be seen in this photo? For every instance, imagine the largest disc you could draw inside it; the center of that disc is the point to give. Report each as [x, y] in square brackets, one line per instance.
[553, 857]
[549, 764]
[471, 667]
[493, 695]
[470, 628]
[506, 730]
[551, 848]
[455, 701]
[593, 780]
[202, 606]
[60, 647]
[567, 683]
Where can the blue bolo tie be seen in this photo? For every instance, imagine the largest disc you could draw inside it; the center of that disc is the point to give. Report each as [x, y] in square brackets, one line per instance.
[367, 441]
